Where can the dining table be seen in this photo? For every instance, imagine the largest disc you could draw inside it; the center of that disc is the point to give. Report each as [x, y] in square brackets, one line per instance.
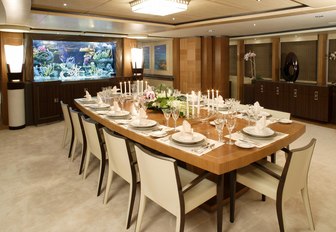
[218, 160]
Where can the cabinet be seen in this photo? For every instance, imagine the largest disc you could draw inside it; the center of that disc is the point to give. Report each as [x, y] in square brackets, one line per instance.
[46, 101]
[301, 100]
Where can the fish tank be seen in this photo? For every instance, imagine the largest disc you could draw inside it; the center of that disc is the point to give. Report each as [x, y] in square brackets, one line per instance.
[73, 60]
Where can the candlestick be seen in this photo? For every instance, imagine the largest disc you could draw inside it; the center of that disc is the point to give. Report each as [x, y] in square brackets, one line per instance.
[217, 99]
[129, 88]
[138, 87]
[125, 91]
[212, 98]
[187, 107]
[192, 103]
[199, 103]
[120, 87]
[146, 84]
[208, 100]
[141, 87]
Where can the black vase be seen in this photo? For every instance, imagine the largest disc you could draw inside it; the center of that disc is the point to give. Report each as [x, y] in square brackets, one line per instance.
[291, 68]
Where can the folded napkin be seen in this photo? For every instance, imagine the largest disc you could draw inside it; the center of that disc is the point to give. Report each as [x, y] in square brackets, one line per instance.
[87, 95]
[142, 114]
[133, 111]
[220, 99]
[99, 100]
[260, 125]
[187, 131]
[257, 108]
[114, 90]
[115, 106]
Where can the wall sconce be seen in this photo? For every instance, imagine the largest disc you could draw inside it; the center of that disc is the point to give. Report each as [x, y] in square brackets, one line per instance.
[14, 60]
[136, 58]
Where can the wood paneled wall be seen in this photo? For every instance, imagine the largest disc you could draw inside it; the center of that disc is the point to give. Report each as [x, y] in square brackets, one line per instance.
[276, 59]
[10, 39]
[207, 63]
[322, 57]
[190, 64]
[176, 63]
[240, 69]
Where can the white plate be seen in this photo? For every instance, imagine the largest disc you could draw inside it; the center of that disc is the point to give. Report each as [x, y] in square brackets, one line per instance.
[266, 132]
[285, 121]
[98, 106]
[158, 134]
[242, 144]
[143, 123]
[188, 138]
[117, 113]
[86, 101]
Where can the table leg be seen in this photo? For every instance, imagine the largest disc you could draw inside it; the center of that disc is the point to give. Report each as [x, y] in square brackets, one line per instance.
[220, 196]
[233, 177]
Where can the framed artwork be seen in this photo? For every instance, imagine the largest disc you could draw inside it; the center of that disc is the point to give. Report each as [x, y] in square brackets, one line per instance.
[146, 57]
[160, 57]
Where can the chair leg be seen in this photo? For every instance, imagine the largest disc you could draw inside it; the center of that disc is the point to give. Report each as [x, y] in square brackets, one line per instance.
[305, 198]
[87, 161]
[263, 197]
[180, 219]
[233, 177]
[273, 158]
[131, 199]
[108, 184]
[101, 176]
[142, 206]
[279, 207]
[73, 150]
[82, 158]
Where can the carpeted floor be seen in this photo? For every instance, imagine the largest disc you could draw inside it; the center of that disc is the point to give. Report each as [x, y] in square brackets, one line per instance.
[42, 191]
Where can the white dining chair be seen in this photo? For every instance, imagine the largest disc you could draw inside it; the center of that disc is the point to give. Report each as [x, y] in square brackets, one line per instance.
[122, 161]
[79, 136]
[175, 189]
[95, 147]
[68, 134]
[280, 183]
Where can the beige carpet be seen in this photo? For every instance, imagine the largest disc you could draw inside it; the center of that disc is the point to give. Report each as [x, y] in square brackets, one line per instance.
[41, 191]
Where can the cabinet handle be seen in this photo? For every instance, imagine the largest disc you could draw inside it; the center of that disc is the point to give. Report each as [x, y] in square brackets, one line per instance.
[316, 95]
[55, 100]
[295, 93]
[261, 88]
[277, 90]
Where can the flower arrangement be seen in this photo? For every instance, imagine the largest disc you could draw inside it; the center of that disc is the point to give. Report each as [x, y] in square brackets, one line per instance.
[332, 56]
[250, 56]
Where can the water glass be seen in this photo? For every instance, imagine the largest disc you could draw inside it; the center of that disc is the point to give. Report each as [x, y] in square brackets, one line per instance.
[230, 124]
[167, 112]
[219, 123]
[175, 114]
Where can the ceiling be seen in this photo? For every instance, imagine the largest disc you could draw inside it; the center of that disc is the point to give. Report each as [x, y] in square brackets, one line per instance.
[203, 18]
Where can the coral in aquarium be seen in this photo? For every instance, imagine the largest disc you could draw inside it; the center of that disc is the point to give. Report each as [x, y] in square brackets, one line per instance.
[72, 60]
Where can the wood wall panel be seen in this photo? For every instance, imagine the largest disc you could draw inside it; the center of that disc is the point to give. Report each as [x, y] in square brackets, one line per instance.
[128, 44]
[176, 63]
[190, 64]
[207, 63]
[322, 59]
[240, 69]
[276, 59]
[221, 66]
[10, 39]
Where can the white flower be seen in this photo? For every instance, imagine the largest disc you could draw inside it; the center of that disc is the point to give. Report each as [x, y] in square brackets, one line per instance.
[332, 56]
[248, 56]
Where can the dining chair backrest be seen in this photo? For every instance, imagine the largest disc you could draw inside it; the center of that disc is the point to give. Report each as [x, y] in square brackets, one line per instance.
[76, 122]
[94, 143]
[66, 114]
[119, 155]
[160, 180]
[297, 165]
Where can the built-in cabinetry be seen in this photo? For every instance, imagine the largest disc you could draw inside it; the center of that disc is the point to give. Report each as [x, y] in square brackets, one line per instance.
[301, 100]
[47, 95]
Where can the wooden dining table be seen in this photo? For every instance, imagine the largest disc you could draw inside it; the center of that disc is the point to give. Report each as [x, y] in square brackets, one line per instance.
[219, 161]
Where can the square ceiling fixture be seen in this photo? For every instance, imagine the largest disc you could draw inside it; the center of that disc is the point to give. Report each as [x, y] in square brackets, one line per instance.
[159, 7]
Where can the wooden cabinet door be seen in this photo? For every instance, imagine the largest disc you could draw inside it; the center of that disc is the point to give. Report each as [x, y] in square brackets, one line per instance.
[298, 98]
[46, 101]
[260, 93]
[318, 98]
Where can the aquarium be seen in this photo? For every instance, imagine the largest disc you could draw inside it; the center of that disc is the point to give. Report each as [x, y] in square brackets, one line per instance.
[73, 60]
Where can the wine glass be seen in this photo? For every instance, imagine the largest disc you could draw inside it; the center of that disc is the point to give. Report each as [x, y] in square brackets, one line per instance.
[230, 124]
[167, 112]
[175, 114]
[219, 123]
[122, 101]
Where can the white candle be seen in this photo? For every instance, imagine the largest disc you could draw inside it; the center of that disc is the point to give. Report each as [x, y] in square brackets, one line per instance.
[187, 107]
[120, 87]
[125, 91]
[208, 100]
[129, 88]
[217, 99]
[138, 87]
[192, 103]
[213, 97]
[146, 85]
[141, 87]
[199, 103]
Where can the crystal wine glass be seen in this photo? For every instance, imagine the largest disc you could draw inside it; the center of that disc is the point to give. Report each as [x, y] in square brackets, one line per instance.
[230, 124]
[219, 123]
[175, 114]
[167, 112]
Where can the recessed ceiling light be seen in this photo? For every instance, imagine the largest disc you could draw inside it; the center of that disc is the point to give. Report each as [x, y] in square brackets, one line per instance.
[254, 24]
[64, 4]
[211, 31]
[173, 19]
[258, 0]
